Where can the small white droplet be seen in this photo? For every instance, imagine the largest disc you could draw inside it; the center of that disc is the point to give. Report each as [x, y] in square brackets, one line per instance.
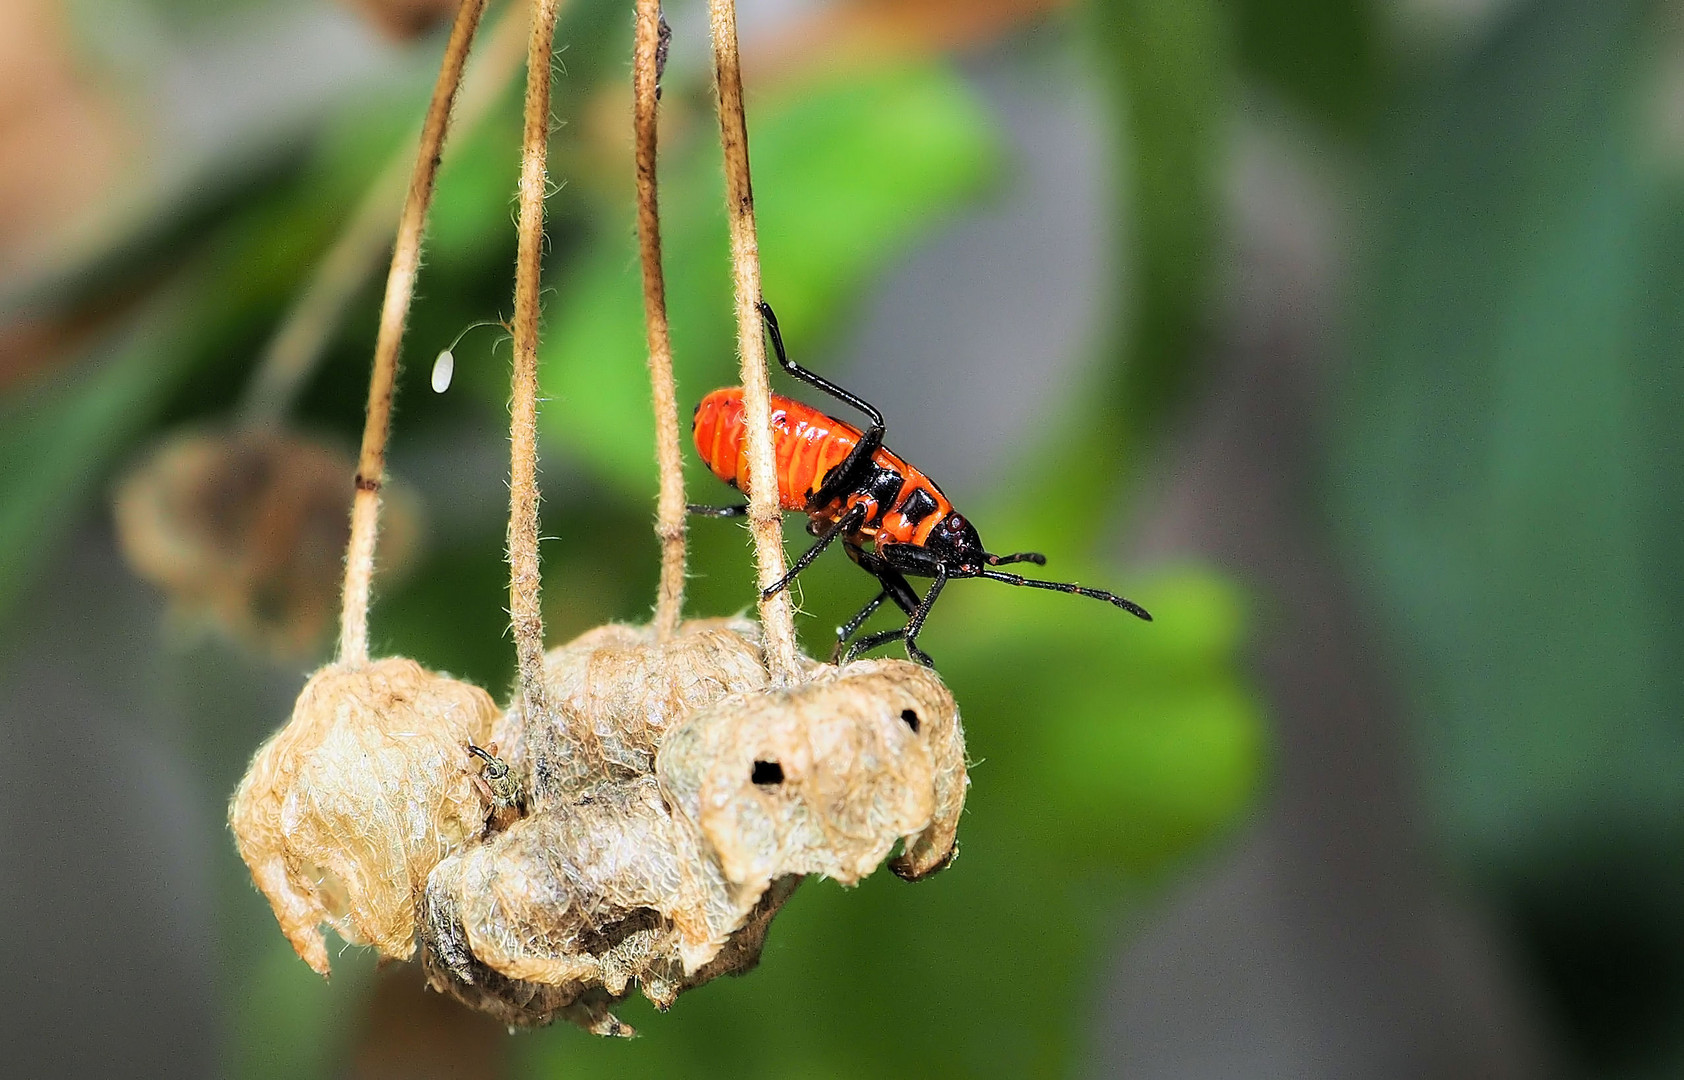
[443, 368]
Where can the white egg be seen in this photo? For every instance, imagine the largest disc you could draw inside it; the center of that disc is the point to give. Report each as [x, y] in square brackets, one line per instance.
[443, 368]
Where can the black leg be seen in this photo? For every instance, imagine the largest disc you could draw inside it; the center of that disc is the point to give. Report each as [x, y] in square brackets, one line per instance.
[852, 520]
[894, 587]
[850, 471]
[843, 633]
[900, 590]
[717, 511]
[871, 641]
[908, 633]
[813, 378]
[915, 625]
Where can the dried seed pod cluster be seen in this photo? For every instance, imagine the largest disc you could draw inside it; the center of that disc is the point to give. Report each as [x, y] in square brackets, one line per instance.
[618, 690]
[345, 810]
[674, 799]
[705, 796]
[247, 530]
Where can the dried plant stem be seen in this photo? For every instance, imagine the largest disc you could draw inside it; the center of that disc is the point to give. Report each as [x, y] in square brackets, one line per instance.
[777, 613]
[302, 338]
[525, 612]
[670, 513]
[400, 287]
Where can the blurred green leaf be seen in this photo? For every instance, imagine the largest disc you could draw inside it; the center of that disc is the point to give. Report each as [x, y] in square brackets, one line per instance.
[1497, 437]
[846, 176]
[1137, 741]
[1323, 55]
[289, 1023]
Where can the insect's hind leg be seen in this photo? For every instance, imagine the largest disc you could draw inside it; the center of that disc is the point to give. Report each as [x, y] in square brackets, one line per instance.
[850, 470]
[811, 377]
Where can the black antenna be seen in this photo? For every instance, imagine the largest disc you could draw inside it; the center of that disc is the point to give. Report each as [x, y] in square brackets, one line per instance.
[1023, 556]
[1070, 587]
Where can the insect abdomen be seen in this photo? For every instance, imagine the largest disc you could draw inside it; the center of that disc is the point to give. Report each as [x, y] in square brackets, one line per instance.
[806, 443]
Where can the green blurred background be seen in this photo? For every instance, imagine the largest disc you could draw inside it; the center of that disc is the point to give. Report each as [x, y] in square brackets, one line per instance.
[1337, 333]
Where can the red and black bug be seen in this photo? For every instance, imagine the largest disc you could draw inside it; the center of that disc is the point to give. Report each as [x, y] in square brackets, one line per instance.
[854, 489]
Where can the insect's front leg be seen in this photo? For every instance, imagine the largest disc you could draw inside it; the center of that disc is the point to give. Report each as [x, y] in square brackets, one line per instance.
[843, 633]
[850, 521]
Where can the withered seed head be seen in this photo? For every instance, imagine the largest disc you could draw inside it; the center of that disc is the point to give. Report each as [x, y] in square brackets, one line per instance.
[617, 691]
[348, 807]
[676, 802]
[247, 530]
[825, 777]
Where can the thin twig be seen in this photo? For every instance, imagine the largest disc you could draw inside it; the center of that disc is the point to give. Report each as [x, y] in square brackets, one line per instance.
[777, 613]
[400, 287]
[302, 338]
[670, 513]
[525, 613]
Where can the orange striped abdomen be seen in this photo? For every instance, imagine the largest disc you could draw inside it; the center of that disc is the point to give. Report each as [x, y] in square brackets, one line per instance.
[807, 445]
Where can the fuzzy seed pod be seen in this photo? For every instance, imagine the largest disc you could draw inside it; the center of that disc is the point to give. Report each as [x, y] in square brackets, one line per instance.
[825, 777]
[600, 888]
[680, 815]
[617, 691]
[347, 809]
[247, 530]
[598, 896]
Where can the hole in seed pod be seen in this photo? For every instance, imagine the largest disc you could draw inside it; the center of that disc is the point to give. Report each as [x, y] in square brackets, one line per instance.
[911, 719]
[610, 935]
[767, 772]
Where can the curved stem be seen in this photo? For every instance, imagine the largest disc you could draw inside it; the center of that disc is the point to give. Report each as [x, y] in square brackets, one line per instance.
[400, 287]
[777, 613]
[303, 336]
[525, 612]
[670, 513]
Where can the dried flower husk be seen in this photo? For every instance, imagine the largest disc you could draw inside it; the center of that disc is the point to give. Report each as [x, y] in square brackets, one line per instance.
[589, 899]
[347, 809]
[599, 888]
[617, 690]
[247, 528]
[665, 878]
[825, 777]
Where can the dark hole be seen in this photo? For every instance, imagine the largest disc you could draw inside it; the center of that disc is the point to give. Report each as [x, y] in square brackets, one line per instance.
[911, 719]
[767, 772]
[600, 939]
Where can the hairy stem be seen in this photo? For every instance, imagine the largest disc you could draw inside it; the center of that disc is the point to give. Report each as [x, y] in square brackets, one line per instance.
[302, 338]
[777, 613]
[400, 287]
[670, 513]
[525, 613]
